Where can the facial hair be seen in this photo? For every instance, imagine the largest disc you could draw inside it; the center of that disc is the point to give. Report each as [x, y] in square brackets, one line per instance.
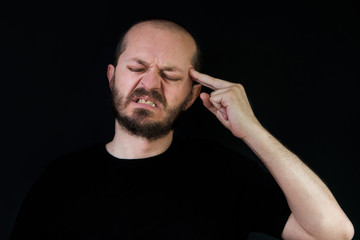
[137, 123]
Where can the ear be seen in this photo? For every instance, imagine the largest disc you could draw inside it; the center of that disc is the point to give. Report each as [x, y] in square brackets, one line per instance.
[110, 73]
[195, 92]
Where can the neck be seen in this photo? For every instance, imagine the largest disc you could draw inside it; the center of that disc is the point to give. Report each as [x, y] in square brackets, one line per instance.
[127, 146]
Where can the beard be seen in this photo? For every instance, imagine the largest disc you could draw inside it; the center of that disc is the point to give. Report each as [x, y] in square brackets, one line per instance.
[138, 123]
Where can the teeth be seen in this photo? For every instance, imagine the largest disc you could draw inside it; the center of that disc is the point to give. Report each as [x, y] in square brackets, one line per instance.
[146, 102]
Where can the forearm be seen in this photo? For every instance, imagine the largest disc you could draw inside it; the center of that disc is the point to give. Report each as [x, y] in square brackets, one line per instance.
[311, 202]
[315, 212]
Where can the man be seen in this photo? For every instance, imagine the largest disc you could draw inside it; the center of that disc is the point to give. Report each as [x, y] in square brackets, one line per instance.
[147, 184]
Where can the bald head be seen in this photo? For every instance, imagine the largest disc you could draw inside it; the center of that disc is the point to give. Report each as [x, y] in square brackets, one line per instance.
[160, 24]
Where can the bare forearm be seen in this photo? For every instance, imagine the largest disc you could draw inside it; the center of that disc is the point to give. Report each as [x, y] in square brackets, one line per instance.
[315, 212]
[311, 202]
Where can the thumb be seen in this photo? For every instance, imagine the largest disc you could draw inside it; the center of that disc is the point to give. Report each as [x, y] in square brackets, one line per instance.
[205, 97]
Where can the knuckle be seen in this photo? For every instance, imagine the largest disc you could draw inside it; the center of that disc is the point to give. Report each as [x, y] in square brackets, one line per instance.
[235, 89]
[240, 86]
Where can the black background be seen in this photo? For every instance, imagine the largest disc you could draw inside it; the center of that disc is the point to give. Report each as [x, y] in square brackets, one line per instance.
[298, 61]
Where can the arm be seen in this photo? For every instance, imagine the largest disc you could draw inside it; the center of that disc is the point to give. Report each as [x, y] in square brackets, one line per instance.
[315, 212]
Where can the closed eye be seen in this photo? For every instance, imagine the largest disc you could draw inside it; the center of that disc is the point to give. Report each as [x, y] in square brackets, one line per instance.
[171, 78]
[136, 69]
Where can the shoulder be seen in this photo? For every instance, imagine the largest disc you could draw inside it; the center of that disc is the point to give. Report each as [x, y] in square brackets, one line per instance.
[74, 165]
[86, 156]
[210, 152]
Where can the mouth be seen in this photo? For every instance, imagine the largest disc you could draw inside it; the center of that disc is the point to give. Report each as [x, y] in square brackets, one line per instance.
[148, 99]
[146, 102]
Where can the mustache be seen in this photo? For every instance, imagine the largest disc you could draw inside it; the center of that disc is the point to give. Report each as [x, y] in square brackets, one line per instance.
[143, 92]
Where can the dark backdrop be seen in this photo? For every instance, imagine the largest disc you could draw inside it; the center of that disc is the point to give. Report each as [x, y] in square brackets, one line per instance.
[298, 61]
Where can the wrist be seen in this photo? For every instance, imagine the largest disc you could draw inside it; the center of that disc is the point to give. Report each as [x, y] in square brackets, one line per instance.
[258, 138]
[252, 131]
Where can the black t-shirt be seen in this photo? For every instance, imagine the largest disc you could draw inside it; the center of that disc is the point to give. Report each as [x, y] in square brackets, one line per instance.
[194, 190]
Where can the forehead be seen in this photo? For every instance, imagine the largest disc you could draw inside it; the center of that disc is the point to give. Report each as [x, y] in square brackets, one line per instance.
[161, 44]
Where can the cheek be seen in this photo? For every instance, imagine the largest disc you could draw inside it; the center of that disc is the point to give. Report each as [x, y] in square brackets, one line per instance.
[124, 82]
[177, 95]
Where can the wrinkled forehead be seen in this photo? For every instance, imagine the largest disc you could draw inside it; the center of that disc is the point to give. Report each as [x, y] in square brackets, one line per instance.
[163, 43]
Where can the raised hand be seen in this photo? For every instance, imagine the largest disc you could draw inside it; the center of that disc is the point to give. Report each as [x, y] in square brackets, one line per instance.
[307, 196]
[229, 103]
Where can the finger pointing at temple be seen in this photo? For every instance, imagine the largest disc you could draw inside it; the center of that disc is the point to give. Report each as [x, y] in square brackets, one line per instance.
[229, 103]
[208, 81]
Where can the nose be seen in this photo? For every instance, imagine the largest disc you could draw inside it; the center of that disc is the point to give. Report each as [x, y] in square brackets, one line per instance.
[151, 80]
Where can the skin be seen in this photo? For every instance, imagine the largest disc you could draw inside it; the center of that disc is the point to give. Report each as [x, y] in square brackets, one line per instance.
[147, 64]
[315, 212]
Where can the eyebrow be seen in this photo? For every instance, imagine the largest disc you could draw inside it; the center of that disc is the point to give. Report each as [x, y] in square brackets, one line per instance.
[139, 61]
[169, 68]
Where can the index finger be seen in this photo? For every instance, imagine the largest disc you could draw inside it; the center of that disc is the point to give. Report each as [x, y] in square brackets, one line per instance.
[208, 81]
